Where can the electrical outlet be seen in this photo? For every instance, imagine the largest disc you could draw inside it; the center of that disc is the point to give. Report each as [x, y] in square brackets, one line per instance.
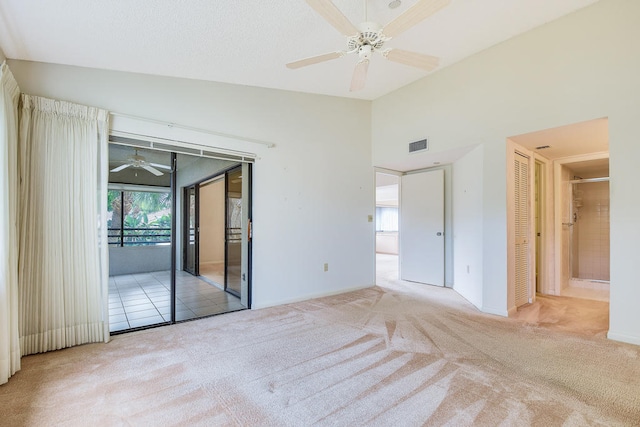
[326, 266]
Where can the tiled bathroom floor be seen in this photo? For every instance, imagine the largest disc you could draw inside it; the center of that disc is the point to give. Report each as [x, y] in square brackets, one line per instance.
[137, 300]
[586, 293]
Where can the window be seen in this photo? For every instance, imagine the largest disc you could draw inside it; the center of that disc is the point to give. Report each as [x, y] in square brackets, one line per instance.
[386, 218]
[137, 218]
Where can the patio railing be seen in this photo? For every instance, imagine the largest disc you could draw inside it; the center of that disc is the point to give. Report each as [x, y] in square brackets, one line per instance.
[139, 236]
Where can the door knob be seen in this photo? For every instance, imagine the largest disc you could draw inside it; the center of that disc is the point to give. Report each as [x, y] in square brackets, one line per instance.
[439, 233]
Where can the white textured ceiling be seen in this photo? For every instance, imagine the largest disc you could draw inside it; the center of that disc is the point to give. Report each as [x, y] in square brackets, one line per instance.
[249, 42]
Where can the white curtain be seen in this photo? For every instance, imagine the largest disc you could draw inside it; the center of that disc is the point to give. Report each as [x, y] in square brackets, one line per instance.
[62, 274]
[9, 344]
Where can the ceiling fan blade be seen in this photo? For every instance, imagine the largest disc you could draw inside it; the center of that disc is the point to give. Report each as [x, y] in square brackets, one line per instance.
[314, 60]
[119, 168]
[333, 16]
[359, 75]
[414, 59]
[410, 17]
[153, 170]
[156, 165]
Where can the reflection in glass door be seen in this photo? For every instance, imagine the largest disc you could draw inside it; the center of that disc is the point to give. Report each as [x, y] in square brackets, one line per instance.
[233, 258]
[191, 262]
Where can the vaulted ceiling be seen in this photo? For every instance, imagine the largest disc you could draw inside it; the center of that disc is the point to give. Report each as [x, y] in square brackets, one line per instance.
[249, 42]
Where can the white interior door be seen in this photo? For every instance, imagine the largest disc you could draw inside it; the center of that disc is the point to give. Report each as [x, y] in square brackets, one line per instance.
[422, 227]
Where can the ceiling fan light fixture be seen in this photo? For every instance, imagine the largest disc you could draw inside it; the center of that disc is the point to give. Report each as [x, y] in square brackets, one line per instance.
[365, 52]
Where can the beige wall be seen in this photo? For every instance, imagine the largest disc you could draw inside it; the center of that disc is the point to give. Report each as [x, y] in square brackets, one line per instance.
[2, 56]
[212, 222]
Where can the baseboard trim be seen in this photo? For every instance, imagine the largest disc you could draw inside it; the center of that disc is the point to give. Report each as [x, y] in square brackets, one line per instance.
[496, 311]
[258, 306]
[630, 339]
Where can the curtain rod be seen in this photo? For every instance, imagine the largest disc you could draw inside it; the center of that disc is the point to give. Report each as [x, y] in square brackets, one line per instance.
[195, 129]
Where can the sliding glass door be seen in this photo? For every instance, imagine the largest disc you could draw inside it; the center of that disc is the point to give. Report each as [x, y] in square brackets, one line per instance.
[233, 260]
[177, 237]
[216, 232]
[192, 230]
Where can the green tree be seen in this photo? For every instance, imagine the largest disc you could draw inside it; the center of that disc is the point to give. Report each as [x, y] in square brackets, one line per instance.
[145, 210]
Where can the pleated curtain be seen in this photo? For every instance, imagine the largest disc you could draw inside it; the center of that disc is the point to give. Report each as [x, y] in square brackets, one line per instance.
[62, 267]
[9, 342]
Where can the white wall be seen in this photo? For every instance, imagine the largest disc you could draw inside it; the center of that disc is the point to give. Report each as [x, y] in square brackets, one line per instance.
[467, 226]
[312, 192]
[138, 259]
[580, 67]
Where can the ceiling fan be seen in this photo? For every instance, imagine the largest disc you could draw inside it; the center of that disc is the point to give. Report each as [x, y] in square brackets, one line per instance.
[140, 162]
[370, 37]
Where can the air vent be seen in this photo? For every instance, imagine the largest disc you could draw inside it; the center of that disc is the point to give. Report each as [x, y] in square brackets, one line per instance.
[418, 146]
[129, 141]
[542, 147]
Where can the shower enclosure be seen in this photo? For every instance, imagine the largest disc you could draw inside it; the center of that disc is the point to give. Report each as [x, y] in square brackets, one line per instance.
[588, 228]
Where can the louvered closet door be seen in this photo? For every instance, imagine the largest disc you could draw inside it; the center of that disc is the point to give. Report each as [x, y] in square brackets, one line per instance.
[521, 176]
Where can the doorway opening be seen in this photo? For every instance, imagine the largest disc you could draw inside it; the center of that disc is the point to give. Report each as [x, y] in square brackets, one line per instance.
[570, 220]
[206, 210]
[585, 229]
[149, 232]
[214, 210]
[387, 225]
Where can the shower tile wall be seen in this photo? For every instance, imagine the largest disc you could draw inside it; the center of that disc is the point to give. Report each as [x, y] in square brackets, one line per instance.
[593, 231]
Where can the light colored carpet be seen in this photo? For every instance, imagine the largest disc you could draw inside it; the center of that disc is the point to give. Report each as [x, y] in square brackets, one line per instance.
[575, 315]
[399, 354]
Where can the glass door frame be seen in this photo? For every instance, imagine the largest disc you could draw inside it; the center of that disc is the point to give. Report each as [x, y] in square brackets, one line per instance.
[227, 233]
[186, 232]
[246, 169]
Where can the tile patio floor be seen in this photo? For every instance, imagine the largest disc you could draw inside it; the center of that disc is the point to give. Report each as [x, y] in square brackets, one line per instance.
[137, 300]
